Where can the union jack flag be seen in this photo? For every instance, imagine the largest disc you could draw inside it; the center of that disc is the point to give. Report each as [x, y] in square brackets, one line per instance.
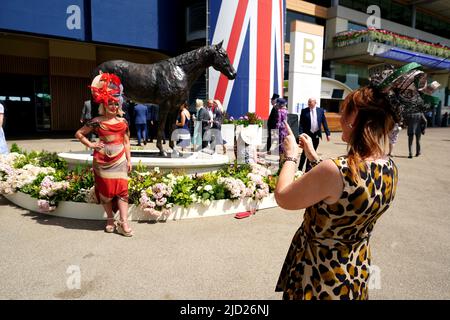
[253, 35]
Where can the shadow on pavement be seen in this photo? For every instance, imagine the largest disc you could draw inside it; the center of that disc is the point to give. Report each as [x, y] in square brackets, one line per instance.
[44, 219]
[67, 223]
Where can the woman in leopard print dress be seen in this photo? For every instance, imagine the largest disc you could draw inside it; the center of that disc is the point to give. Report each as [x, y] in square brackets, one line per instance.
[329, 257]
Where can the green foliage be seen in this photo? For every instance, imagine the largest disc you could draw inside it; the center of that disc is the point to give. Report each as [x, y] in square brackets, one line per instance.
[40, 159]
[47, 159]
[207, 178]
[81, 178]
[271, 182]
[15, 148]
[20, 162]
[236, 171]
[28, 158]
[34, 188]
[141, 168]
[141, 179]
[210, 179]
[219, 192]
[182, 191]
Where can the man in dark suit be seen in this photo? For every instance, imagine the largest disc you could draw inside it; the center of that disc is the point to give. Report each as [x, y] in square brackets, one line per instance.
[206, 117]
[272, 121]
[152, 122]
[140, 121]
[126, 111]
[311, 121]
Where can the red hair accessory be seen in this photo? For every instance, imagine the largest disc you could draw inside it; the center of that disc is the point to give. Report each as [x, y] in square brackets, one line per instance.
[106, 88]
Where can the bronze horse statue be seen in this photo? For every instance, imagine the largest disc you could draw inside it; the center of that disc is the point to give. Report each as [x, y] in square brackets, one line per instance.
[167, 83]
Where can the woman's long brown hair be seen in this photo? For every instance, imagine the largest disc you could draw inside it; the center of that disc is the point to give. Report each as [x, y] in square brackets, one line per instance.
[374, 121]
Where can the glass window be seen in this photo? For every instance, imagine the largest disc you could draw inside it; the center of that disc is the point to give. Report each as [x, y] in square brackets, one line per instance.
[390, 10]
[396, 12]
[407, 17]
[419, 20]
[435, 23]
[360, 5]
[385, 7]
[442, 27]
[400, 13]
[346, 3]
[444, 31]
[350, 74]
[428, 23]
[197, 20]
[42, 104]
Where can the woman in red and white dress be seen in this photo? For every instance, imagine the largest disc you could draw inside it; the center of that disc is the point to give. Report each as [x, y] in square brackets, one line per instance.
[112, 160]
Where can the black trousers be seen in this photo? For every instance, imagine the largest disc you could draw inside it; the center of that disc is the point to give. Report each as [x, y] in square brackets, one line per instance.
[315, 140]
[152, 131]
[205, 138]
[269, 139]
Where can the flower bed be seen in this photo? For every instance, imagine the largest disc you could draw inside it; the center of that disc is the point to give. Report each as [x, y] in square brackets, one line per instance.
[92, 211]
[390, 38]
[248, 119]
[45, 177]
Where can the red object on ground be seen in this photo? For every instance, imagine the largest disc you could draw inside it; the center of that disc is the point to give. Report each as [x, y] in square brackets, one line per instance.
[242, 215]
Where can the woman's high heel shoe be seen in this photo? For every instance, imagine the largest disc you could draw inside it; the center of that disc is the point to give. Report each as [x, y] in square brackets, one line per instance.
[110, 228]
[122, 231]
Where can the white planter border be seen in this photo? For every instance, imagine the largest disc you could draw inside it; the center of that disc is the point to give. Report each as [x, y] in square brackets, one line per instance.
[198, 162]
[91, 211]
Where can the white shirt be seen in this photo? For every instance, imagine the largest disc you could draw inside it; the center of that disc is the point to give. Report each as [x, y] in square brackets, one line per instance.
[210, 116]
[314, 124]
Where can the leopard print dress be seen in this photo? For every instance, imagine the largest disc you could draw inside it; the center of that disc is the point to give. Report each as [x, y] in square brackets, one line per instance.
[329, 257]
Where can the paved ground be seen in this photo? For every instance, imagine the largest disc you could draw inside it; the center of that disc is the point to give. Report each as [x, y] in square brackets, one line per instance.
[225, 258]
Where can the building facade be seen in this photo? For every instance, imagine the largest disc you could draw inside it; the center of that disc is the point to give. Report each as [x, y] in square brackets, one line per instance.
[362, 33]
[49, 48]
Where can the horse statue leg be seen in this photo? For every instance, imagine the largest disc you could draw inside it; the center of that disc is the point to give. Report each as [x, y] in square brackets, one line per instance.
[161, 126]
[171, 120]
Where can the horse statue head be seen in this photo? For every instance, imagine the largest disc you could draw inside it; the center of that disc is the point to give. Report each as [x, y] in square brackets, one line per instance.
[221, 62]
